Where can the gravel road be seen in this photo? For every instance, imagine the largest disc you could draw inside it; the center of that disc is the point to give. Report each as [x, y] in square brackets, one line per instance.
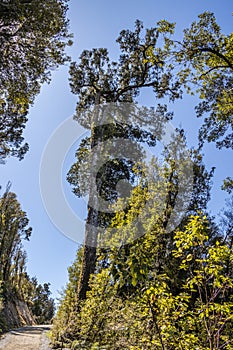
[26, 338]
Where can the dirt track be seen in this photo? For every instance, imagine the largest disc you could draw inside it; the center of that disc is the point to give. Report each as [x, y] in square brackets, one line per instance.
[26, 338]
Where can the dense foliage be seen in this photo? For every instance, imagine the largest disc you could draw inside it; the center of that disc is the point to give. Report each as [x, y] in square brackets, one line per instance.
[155, 312]
[13, 229]
[40, 302]
[154, 285]
[16, 285]
[33, 37]
[207, 57]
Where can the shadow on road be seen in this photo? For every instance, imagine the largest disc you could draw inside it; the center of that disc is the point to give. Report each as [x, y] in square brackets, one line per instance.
[31, 330]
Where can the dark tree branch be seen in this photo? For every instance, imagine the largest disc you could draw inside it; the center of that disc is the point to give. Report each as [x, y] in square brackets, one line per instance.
[213, 68]
[218, 54]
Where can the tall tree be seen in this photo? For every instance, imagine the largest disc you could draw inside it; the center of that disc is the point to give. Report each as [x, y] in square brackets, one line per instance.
[166, 290]
[13, 228]
[33, 37]
[96, 80]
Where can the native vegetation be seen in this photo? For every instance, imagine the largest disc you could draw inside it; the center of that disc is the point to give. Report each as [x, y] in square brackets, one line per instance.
[33, 38]
[23, 299]
[148, 277]
[156, 272]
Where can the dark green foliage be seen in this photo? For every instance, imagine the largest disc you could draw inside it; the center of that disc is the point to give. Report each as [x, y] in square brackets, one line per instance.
[95, 79]
[42, 305]
[13, 228]
[33, 37]
[17, 290]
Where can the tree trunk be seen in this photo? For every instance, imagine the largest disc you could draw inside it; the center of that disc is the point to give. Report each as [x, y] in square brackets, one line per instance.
[89, 253]
[92, 223]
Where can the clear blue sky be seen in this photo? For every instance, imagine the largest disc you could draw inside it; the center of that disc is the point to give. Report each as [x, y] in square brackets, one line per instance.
[97, 24]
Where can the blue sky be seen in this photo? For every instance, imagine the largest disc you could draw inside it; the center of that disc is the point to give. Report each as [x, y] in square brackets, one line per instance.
[97, 24]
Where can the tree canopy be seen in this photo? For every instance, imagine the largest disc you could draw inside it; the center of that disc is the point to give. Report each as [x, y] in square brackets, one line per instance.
[207, 57]
[33, 37]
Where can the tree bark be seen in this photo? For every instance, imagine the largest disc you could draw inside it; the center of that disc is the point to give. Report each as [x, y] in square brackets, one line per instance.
[89, 254]
[92, 223]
